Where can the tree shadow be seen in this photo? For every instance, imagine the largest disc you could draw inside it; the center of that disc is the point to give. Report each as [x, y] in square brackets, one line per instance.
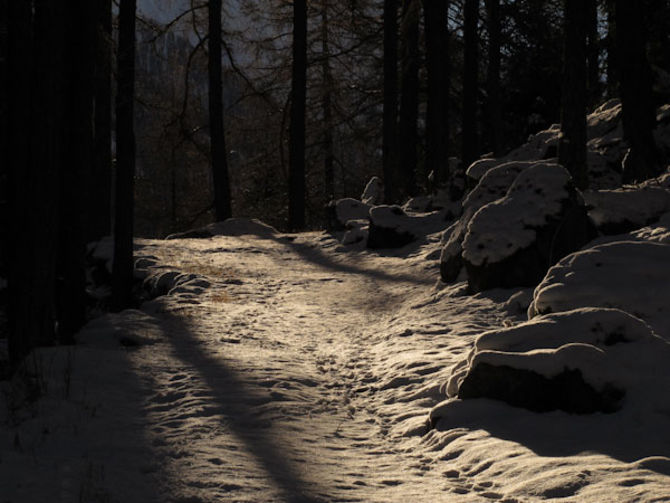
[316, 256]
[627, 435]
[235, 399]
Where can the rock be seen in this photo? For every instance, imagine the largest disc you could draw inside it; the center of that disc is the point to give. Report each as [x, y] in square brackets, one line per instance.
[566, 391]
[514, 240]
[357, 231]
[390, 227]
[374, 192]
[581, 361]
[339, 212]
[630, 207]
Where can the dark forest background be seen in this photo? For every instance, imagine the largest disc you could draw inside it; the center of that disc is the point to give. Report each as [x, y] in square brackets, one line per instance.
[118, 123]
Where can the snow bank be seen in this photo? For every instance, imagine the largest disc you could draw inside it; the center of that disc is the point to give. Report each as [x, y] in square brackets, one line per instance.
[632, 276]
[229, 227]
[584, 360]
[630, 207]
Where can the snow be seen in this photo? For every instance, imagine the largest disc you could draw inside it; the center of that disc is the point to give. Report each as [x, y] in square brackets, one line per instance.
[351, 209]
[502, 227]
[374, 192]
[634, 206]
[290, 368]
[628, 275]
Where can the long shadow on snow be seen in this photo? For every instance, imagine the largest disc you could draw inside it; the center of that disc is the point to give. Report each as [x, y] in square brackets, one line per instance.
[625, 436]
[235, 399]
[318, 257]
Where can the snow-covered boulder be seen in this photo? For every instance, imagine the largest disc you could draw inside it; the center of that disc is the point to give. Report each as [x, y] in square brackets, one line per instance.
[390, 227]
[343, 210]
[514, 240]
[582, 361]
[374, 192]
[630, 207]
[357, 231]
[632, 275]
[492, 186]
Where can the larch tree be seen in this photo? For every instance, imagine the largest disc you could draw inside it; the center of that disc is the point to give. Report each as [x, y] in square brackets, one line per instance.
[390, 91]
[122, 273]
[436, 14]
[572, 144]
[219, 161]
[638, 114]
[409, 96]
[469, 149]
[297, 187]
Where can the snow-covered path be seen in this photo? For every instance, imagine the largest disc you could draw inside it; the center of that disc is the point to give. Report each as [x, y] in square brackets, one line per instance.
[284, 379]
[291, 369]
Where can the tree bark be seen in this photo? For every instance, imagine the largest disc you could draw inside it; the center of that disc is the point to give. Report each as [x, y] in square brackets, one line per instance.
[81, 34]
[296, 208]
[593, 53]
[493, 95]
[100, 199]
[222, 203]
[572, 144]
[122, 274]
[327, 107]
[437, 109]
[613, 71]
[390, 118]
[638, 114]
[409, 96]
[470, 82]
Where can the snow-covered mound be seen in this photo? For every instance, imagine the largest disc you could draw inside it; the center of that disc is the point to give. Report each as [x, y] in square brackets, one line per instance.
[390, 227]
[341, 211]
[581, 361]
[630, 207]
[513, 240]
[632, 276]
[229, 227]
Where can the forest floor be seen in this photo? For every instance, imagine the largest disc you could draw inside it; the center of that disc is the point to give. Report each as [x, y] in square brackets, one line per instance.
[292, 369]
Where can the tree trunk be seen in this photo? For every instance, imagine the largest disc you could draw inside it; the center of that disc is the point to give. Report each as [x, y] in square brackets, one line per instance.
[326, 104]
[122, 275]
[638, 114]
[470, 82]
[437, 113]
[390, 118]
[493, 96]
[222, 206]
[613, 71]
[296, 208]
[37, 89]
[572, 145]
[409, 96]
[81, 32]
[593, 53]
[100, 198]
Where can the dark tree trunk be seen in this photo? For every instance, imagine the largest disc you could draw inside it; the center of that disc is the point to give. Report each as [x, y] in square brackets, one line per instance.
[78, 158]
[100, 191]
[593, 53]
[437, 114]
[493, 96]
[613, 71]
[122, 275]
[470, 82]
[572, 145]
[222, 206]
[390, 119]
[296, 207]
[409, 96]
[326, 104]
[642, 161]
[37, 88]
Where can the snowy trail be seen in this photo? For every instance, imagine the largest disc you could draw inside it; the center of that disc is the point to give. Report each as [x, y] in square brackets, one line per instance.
[292, 369]
[273, 380]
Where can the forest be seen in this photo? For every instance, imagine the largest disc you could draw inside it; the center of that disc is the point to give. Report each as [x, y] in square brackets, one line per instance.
[320, 251]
